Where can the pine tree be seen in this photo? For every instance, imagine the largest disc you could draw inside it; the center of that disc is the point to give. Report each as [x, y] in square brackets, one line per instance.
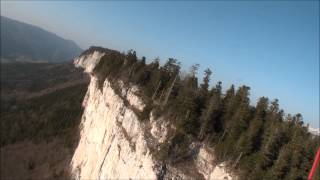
[270, 149]
[238, 123]
[187, 107]
[205, 83]
[203, 97]
[210, 117]
[227, 108]
[251, 141]
[240, 119]
[172, 67]
[282, 164]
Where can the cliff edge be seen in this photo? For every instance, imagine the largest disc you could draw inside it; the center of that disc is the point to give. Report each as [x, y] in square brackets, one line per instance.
[115, 143]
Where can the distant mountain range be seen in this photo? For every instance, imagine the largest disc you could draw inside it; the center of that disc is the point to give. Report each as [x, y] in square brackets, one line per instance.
[25, 42]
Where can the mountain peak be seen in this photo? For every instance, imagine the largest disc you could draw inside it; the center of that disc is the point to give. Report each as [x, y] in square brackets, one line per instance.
[24, 42]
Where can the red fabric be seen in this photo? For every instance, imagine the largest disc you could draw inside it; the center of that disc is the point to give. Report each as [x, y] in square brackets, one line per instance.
[315, 164]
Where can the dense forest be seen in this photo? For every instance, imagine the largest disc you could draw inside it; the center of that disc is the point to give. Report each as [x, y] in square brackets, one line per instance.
[39, 100]
[257, 142]
[40, 116]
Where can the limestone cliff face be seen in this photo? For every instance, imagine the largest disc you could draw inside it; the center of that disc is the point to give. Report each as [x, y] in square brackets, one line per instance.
[115, 144]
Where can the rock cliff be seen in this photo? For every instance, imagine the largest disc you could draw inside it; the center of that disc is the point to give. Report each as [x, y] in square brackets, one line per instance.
[116, 144]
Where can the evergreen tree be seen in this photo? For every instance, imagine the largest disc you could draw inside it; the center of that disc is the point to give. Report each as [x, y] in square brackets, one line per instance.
[205, 83]
[270, 150]
[251, 140]
[282, 164]
[210, 118]
[227, 107]
[240, 119]
[153, 85]
[194, 70]
[187, 104]
[172, 67]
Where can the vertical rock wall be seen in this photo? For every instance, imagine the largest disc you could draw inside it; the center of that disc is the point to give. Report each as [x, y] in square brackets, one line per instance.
[113, 141]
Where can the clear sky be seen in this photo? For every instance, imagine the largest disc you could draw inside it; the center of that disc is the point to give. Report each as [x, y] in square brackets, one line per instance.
[271, 46]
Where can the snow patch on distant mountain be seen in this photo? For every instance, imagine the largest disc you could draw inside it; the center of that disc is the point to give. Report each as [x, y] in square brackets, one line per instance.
[314, 131]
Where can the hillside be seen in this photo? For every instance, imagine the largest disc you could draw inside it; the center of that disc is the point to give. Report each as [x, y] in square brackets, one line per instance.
[143, 121]
[40, 114]
[160, 121]
[25, 42]
[26, 80]
[39, 135]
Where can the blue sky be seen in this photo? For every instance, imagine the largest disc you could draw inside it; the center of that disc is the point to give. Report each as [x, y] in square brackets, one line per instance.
[271, 46]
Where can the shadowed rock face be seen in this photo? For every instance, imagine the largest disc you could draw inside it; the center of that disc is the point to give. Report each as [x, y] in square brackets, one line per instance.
[116, 144]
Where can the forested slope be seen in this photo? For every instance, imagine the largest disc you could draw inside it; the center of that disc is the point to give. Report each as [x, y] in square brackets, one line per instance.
[39, 133]
[259, 142]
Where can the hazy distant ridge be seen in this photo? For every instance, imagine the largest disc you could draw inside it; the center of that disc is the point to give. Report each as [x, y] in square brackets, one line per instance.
[21, 41]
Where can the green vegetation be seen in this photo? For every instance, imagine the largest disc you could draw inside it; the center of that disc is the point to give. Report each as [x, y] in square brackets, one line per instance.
[257, 142]
[260, 142]
[18, 78]
[42, 118]
[53, 112]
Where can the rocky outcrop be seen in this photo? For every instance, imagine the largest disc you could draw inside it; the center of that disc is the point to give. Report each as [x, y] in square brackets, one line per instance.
[115, 144]
[204, 163]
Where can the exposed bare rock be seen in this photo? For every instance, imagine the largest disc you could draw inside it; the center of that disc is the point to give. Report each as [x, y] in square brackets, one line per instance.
[116, 144]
